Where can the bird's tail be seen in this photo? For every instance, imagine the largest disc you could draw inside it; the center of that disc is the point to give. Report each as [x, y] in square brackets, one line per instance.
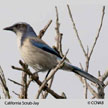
[69, 67]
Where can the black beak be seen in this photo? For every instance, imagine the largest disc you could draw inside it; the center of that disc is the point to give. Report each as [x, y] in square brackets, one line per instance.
[9, 28]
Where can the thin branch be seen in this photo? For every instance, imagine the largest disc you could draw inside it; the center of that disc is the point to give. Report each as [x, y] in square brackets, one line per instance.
[23, 94]
[76, 31]
[42, 32]
[87, 50]
[3, 84]
[15, 82]
[58, 37]
[16, 93]
[96, 38]
[17, 68]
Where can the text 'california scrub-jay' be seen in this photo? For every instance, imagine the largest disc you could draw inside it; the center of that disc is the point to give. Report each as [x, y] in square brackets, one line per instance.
[41, 57]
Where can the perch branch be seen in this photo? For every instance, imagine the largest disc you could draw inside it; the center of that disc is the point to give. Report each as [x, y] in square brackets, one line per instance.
[36, 79]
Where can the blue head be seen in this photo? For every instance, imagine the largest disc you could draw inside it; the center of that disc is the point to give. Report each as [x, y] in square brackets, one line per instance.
[21, 28]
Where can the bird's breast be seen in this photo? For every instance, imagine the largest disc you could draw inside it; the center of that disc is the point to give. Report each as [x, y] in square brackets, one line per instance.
[36, 57]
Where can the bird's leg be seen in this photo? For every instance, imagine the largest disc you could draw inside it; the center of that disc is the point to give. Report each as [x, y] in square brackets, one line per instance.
[47, 76]
[47, 73]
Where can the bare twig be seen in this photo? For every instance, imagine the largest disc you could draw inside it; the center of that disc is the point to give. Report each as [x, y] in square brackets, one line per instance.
[16, 93]
[3, 84]
[17, 68]
[76, 31]
[15, 82]
[23, 94]
[42, 32]
[24, 89]
[58, 37]
[96, 38]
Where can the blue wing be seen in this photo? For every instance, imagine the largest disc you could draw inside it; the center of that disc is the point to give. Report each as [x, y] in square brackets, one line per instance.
[45, 47]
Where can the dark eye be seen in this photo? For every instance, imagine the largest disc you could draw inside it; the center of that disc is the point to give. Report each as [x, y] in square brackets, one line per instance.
[17, 26]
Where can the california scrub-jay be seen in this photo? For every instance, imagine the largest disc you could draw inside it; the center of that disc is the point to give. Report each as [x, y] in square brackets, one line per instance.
[41, 57]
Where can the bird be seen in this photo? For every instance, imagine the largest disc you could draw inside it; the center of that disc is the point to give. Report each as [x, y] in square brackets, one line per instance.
[39, 55]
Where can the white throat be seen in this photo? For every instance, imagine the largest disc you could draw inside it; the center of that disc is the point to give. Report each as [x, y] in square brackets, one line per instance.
[19, 36]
